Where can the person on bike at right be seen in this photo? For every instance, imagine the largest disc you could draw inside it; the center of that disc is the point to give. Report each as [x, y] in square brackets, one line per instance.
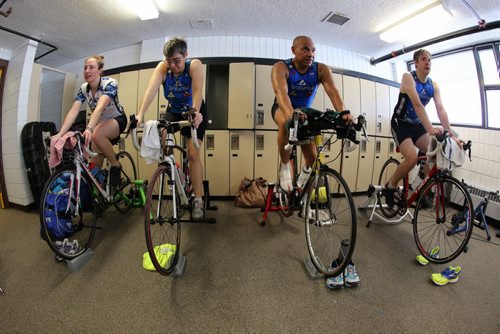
[295, 82]
[410, 125]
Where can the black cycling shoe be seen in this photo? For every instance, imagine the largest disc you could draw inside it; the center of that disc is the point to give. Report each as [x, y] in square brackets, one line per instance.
[115, 175]
[389, 196]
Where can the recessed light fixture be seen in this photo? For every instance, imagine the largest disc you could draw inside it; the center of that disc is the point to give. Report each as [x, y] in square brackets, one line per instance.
[145, 9]
[419, 25]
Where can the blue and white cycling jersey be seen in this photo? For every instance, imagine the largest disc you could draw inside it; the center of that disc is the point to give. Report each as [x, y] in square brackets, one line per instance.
[107, 86]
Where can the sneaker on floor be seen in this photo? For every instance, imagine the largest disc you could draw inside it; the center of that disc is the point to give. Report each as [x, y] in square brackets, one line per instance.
[115, 175]
[335, 282]
[351, 276]
[197, 211]
[434, 254]
[449, 275]
[389, 196]
[286, 177]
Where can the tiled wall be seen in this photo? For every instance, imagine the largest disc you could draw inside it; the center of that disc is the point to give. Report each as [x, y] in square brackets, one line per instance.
[483, 171]
[237, 46]
[14, 117]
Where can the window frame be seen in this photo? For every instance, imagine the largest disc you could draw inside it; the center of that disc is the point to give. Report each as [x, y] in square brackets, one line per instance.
[495, 46]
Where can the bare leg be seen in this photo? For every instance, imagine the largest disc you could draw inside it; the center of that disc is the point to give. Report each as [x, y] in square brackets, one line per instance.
[408, 150]
[103, 134]
[280, 119]
[195, 168]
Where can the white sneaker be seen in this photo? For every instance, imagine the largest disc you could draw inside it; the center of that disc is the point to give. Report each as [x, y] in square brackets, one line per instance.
[286, 177]
[197, 211]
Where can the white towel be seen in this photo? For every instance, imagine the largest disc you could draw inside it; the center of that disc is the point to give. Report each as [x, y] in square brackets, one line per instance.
[150, 146]
[448, 154]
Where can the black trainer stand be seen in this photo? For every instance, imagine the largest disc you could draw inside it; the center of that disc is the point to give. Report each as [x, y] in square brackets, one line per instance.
[206, 190]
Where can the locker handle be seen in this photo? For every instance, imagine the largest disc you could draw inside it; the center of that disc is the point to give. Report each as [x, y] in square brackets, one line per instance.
[210, 155]
[259, 155]
[235, 155]
[362, 157]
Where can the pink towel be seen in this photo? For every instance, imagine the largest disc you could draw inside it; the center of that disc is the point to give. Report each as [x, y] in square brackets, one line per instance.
[57, 145]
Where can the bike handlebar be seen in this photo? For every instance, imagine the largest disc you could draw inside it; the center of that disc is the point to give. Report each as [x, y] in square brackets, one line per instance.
[326, 120]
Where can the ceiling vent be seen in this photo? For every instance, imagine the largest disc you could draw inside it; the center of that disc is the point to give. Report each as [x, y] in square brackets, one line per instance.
[203, 24]
[335, 18]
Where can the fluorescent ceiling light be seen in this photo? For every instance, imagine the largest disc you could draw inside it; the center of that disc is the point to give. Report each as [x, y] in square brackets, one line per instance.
[145, 9]
[423, 24]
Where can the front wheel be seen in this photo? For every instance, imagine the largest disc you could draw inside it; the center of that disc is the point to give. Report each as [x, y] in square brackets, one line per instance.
[68, 214]
[330, 222]
[442, 223]
[162, 221]
[125, 194]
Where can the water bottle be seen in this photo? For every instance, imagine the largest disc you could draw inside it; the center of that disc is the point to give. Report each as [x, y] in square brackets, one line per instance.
[419, 177]
[99, 174]
[304, 176]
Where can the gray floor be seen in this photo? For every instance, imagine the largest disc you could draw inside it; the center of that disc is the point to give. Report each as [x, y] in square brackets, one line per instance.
[240, 277]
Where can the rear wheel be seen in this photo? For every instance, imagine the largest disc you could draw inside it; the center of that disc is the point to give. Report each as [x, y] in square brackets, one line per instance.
[385, 175]
[125, 194]
[442, 223]
[330, 222]
[162, 221]
[68, 228]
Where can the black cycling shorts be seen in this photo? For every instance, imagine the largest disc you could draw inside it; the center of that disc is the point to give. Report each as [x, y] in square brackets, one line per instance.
[122, 124]
[403, 130]
[200, 132]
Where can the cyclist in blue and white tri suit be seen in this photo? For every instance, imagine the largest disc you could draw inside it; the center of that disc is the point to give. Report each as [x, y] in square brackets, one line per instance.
[182, 81]
[108, 119]
[411, 127]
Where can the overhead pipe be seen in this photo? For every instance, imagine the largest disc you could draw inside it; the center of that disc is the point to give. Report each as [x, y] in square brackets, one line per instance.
[54, 48]
[442, 38]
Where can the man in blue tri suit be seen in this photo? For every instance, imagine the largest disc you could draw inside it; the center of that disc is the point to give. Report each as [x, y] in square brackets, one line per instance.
[295, 82]
[182, 81]
[411, 127]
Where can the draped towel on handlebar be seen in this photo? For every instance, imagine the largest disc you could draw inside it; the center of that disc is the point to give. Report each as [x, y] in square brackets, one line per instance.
[446, 154]
[150, 146]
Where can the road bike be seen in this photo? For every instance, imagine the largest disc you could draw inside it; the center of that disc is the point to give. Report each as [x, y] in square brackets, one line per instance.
[75, 195]
[324, 202]
[169, 200]
[437, 201]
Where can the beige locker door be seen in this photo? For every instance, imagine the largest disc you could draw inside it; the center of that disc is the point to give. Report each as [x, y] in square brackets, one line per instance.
[217, 161]
[332, 156]
[350, 163]
[241, 96]
[127, 93]
[365, 170]
[266, 160]
[352, 102]
[152, 112]
[393, 97]
[368, 105]
[264, 98]
[352, 95]
[337, 80]
[383, 125]
[241, 152]
[380, 157]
